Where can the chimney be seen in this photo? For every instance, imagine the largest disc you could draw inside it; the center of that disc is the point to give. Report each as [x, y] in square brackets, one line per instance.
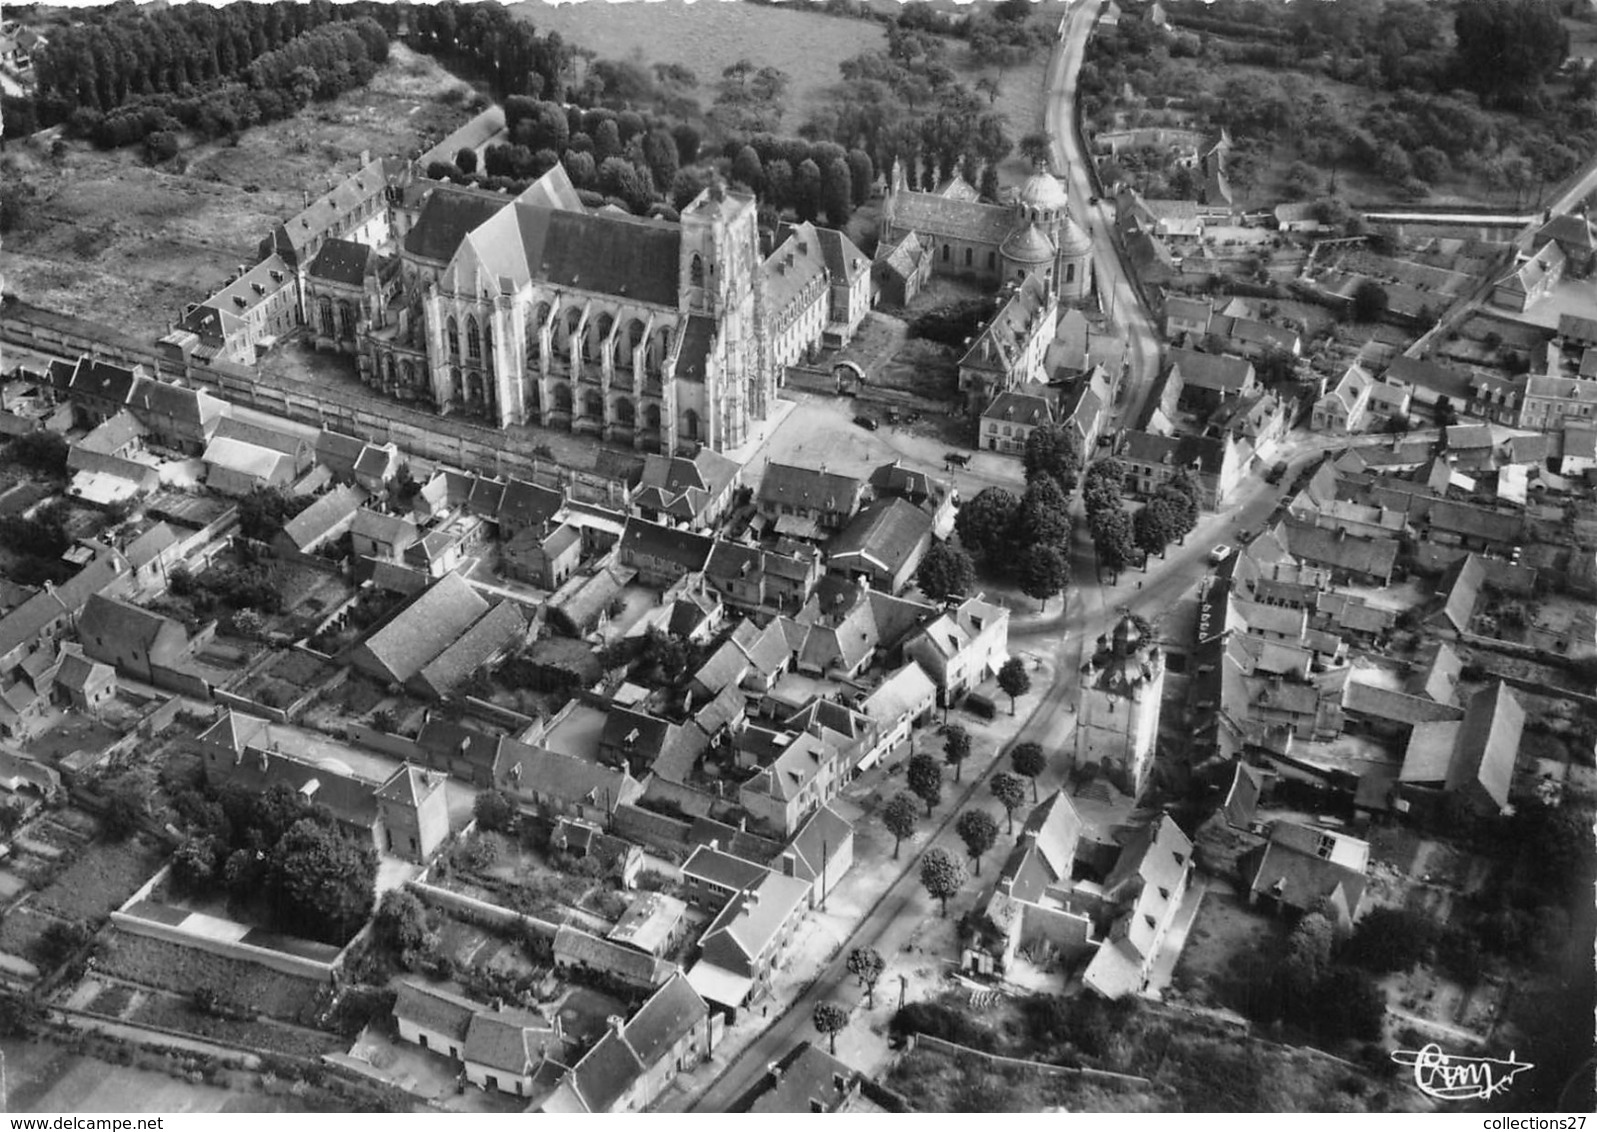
[751, 899]
[774, 1069]
[616, 1023]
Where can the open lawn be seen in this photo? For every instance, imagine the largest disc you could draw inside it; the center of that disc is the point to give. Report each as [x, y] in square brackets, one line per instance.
[113, 239]
[707, 37]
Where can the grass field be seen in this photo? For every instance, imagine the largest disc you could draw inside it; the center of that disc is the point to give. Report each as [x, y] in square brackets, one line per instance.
[708, 35]
[112, 239]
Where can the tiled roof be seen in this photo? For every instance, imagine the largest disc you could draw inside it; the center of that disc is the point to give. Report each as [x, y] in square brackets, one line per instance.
[790, 485]
[507, 1038]
[887, 534]
[752, 924]
[105, 380]
[425, 628]
[940, 217]
[343, 261]
[311, 525]
[530, 769]
[1020, 408]
[723, 869]
[666, 1018]
[1219, 372]
[447, 218]
[501, 626]
[434, 1009]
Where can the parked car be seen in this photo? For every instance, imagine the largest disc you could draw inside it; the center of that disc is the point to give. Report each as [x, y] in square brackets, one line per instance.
[956, 459]
[1219, 554]
[866, 421]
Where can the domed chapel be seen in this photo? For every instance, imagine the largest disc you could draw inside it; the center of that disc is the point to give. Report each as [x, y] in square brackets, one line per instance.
[995, 243]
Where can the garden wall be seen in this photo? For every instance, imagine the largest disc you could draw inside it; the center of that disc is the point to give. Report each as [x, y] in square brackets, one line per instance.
[1043, 1068]
[479, 912]
[660, 833]
[281, 961]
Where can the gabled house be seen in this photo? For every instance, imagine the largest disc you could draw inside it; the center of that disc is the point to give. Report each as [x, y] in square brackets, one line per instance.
[1306, 869]
[1184, 316]
[176, 416]
[740, 948]
[100, 389]
[821, 501]
[552, 784]
[325, 521]
[138, 642]
[1147, 884]
[1531, 279]
[1013, 416]
[661, 554]
[901, 702]
[678, 491]
[379, 535]
[1010, 350]
[1209, 379]
[821, 852]
[1345, 405]
[635, 1061]
[1472, 759]
[961, 647]
[935, 497]
[1217, 464]
[435, 619]
[757, 580]
[808, 773]
[884, 544]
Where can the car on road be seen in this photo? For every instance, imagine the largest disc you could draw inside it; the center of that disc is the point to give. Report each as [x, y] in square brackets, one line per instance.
[956, 459]
[1219, 554]
[866, 421]
[1276, 474]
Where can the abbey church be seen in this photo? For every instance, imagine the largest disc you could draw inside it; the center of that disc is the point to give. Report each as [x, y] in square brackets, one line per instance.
[534, 309]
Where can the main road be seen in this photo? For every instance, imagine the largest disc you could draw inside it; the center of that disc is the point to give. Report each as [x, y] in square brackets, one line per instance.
[1120, 299]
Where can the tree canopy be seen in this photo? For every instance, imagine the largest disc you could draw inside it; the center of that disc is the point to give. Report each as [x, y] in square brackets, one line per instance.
[1029, 761]
[946, 571]
[1010, 792]
[1051, 451]
[978, 830]
[1014, 680]
[941, 875]
[925, 780]
[899, 816]
[956, 747]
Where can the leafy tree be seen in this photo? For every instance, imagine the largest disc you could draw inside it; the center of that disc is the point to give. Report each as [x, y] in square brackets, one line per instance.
[466, 160]
[984, 524]
[807, 190]
[122, 816]
[866, 965]
[1011, 794]
[837, 192]
[925, 780]
[978, 830]
[1103, 485]
[1154, 527]
[1503, 47]
[861, 175]
[324, 880]
[262, 513]
[1348, 1004]
[194, 865]
[748, 168]
[1035, 148]
[1111, 535]
[1029, 761]
[495, 811]
[1389, 939]
[1308, 957]
[956, 747]
[401, 921]
[1044, 572]
[941, 875]
[945, 571]
[1014, 680]
[1044, 515]
[41, 450]
[1180, 492]
[899, 817]
[1051, 451]
[1370, 301]
[830, 1019]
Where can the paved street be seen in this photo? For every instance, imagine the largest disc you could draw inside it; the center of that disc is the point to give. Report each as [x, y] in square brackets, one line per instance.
[1127, 315]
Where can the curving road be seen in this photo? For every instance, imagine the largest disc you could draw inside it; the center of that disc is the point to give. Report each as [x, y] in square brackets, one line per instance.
[1120, 299]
